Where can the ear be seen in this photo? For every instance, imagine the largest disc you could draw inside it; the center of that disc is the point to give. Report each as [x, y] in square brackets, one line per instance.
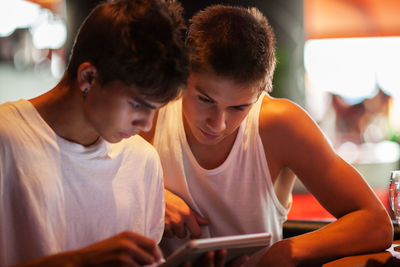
[87, 75]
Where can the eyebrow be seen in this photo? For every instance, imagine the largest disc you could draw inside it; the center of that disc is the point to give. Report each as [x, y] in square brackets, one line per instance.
[203, 93]
[144, 103]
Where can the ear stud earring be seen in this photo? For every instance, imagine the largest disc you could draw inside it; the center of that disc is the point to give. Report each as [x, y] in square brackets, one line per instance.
[85, 92]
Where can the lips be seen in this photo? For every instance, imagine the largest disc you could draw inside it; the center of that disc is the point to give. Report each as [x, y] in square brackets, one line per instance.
[125, 135]
[209, 135]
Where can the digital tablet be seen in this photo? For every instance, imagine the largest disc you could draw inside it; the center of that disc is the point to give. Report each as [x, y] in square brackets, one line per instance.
[236, 246]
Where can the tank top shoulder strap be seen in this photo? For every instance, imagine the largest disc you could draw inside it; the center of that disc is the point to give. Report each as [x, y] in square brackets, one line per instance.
[251, 129]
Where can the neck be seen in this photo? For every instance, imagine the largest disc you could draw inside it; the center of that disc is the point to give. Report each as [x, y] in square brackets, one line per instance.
[61, 109]
[210, 156]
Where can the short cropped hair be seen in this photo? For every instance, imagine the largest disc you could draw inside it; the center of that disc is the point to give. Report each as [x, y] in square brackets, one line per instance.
[138, 42]
[233, 42]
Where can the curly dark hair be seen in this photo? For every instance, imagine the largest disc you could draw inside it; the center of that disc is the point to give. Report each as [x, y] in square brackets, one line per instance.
[138, 42]
[235, 42]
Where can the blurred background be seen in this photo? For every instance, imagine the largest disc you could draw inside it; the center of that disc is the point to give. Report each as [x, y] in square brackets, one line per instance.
[339, 59]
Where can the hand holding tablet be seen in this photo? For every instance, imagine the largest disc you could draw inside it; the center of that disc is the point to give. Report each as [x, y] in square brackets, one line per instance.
[236, 246]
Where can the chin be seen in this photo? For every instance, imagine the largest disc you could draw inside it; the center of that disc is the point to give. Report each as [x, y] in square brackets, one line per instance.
[207, 141]
[113, 139]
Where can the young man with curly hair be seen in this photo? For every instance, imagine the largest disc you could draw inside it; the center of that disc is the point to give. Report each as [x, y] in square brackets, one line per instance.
[78, 187]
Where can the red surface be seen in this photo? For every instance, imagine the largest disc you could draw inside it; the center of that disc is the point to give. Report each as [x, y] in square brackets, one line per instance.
[306, 207]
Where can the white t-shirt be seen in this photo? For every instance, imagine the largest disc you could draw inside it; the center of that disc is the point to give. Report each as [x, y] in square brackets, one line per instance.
[237, 197]
[56, 195]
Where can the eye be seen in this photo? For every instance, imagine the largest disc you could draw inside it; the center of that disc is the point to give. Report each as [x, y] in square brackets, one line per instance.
[205, 100]
[135, 105]
[238, 108]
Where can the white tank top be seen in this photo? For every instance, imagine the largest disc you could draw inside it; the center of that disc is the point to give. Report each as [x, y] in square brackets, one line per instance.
[237, 197]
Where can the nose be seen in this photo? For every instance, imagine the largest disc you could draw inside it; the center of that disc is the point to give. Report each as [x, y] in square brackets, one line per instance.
[217, 121]
[145, 122]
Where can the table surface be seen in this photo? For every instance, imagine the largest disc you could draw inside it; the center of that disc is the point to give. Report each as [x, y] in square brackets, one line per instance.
[361, 260]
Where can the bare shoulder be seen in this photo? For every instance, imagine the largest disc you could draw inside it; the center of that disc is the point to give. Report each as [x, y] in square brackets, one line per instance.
[290, 134]
[275, 109]
[282, 118]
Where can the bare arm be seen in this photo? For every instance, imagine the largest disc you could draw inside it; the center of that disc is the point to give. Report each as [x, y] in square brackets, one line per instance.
[125, 249]
[362, 224]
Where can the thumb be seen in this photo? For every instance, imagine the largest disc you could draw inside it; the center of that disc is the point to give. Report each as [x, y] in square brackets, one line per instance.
[200, 220]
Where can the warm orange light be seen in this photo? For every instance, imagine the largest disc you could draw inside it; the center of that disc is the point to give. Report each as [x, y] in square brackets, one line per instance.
[351, 18]
[53, 5]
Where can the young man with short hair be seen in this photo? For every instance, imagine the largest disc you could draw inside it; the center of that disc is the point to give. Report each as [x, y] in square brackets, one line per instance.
[230, 152]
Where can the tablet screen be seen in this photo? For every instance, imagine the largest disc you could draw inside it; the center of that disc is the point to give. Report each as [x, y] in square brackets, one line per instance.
[236, 246]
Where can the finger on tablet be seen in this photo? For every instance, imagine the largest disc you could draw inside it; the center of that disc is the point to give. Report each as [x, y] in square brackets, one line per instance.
[168, 231]
[220, 257]
[194, 223]
[208, 259]
[200, 220]
[193, 227]
[179, 230]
